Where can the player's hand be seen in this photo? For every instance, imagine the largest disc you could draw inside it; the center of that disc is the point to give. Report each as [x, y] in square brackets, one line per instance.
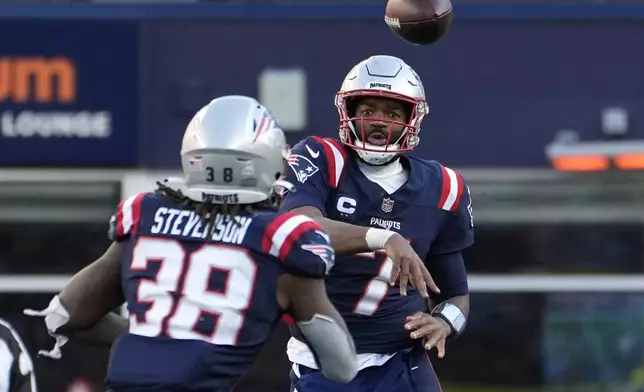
[434, 329]
[408, 267]
[55, 316]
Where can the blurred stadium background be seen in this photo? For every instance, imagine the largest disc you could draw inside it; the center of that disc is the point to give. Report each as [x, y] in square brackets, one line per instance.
[540, 103]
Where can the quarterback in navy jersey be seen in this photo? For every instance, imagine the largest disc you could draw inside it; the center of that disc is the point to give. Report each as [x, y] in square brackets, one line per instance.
[378, 206]
[207, 266]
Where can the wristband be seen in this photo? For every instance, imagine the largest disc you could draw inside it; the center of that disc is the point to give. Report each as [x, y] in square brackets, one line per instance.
[453, 315]
[376, 238]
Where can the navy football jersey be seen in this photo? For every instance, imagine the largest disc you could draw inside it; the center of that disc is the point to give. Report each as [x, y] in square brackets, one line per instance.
[432, 210]
[202, 305]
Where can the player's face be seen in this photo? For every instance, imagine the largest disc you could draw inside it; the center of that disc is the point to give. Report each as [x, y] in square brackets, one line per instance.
[377, 127]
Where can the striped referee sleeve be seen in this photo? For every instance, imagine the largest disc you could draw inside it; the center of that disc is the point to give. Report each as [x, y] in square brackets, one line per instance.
[16, 367]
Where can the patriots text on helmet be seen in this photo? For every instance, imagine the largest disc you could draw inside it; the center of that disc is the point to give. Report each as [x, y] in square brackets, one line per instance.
[214, 198]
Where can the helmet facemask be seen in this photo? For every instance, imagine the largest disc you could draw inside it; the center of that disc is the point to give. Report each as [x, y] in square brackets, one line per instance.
[352, 129]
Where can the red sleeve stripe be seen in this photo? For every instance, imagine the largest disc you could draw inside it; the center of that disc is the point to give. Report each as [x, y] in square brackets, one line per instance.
[289, 320]
[335, 157]
[286, 232]
[338, 146]
[294, 235]
[119, 219]
[129, 214]
[452, 190]
[267, 239]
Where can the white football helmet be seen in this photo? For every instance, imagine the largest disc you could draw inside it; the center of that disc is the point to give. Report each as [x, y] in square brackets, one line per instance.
[385, 77]
[232, 151]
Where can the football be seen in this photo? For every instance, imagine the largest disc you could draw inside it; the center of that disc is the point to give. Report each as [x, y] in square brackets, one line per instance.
[420, 22]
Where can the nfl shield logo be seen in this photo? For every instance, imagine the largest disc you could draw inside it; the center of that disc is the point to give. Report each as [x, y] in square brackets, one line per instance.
[387, 205]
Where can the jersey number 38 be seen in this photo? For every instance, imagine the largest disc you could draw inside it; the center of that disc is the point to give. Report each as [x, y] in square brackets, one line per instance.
[179, 296]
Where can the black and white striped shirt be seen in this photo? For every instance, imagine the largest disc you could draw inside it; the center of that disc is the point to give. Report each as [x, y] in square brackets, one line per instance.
[16, 367]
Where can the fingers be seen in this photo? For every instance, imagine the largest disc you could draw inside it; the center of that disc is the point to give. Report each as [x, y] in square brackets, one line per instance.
[404, 277]
[414, 316]
[432, 286]
[440, 347]
[425, 331]
[409, 271]
[429, 281]
[407, 268]
[437, 340]
[418, 278]
[417, 320]
[433, 340]
[395, 271]
[432, 332]
[424, 326]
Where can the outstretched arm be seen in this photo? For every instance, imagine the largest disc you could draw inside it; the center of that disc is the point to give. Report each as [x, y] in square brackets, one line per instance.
[306, 300]
[103, 333]
[91, 295]
[345, 238]
[309, 174]
[94, 291]
[82, 309]
[351, 239]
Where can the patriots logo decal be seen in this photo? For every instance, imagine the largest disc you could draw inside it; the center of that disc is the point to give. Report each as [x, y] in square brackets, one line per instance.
[302, 167]
[323, 251]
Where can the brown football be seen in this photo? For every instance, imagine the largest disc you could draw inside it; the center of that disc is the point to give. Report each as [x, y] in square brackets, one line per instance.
[420, 22]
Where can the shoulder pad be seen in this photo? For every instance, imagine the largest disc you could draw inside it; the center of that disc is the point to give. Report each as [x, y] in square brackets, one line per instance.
[305, 160]
[300, 243]
[128, 213]
[336, 157]
[451, 189]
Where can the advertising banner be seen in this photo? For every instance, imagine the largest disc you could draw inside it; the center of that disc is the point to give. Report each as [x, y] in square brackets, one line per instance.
[68, 93]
